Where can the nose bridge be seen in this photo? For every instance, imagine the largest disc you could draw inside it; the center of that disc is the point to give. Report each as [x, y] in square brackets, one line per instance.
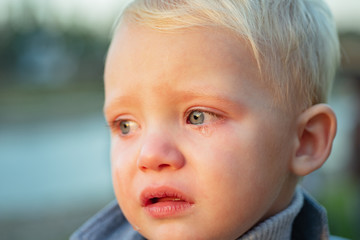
[160, 151]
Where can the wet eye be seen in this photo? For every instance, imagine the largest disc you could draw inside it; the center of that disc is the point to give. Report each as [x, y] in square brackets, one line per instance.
[126, 126]
[196, 118]
[200, 117]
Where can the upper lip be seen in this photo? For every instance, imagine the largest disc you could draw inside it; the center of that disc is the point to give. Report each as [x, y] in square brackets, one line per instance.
[149, 194]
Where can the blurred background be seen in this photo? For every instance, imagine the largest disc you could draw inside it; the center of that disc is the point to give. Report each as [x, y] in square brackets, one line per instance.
[54, 143]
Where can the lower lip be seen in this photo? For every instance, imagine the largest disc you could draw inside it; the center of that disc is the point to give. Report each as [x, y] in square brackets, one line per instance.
[168, 209]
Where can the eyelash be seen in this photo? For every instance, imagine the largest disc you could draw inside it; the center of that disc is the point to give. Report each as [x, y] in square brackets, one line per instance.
[112, 126]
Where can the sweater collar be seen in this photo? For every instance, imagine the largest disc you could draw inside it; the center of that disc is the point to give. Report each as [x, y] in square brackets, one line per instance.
[278, 226]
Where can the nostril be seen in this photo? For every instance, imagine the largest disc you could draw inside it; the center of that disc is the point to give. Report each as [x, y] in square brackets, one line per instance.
[164, 165]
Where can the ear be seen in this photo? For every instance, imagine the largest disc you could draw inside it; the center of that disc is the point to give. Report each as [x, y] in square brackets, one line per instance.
[316, 130]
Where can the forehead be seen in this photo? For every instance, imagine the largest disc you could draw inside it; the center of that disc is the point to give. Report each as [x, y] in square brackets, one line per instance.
[142, 58]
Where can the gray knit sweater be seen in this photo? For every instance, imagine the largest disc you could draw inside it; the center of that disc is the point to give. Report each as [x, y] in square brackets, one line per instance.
[304, 219]
[279, 226]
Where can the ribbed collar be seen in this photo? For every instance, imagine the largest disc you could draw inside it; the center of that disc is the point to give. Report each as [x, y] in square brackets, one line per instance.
[277, 227]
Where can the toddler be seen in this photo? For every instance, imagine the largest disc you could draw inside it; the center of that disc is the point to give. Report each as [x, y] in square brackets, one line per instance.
[217, 109]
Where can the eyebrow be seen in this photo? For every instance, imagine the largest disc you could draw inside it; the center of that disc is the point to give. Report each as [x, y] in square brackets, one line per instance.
[190, 95]
[120, 100]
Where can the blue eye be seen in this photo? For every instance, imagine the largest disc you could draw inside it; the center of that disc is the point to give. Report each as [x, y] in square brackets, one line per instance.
[126, 126]
[196, 118]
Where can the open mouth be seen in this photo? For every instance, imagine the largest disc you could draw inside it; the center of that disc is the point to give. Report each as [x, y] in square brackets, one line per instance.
[162, 196]
[165, 202]
[165, 199]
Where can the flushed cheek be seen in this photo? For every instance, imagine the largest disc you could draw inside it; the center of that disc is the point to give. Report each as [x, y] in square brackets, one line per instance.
[231, 204]
[231, 168]
[123, 171]
[237, 197]
[119, 185]
[123, 159]
[125, 196]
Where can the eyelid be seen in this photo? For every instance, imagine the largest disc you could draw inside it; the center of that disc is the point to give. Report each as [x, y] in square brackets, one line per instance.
[205, 109]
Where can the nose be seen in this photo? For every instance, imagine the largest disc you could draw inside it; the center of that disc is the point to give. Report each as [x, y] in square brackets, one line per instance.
[159, 153]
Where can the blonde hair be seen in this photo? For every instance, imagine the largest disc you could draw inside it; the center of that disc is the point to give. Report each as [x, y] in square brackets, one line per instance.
[294, 41]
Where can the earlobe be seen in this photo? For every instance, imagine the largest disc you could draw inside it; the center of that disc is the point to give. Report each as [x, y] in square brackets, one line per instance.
[316, 130]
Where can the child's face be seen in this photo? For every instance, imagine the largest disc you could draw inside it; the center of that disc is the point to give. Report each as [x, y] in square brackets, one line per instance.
[198, 151]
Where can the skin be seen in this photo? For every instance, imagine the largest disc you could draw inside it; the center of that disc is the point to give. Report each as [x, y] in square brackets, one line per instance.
[236, 165]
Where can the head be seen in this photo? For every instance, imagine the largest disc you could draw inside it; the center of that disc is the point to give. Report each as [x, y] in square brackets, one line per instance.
[216, 109]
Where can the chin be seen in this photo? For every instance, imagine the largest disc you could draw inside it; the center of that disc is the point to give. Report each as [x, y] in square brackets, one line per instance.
[170, 231]
[186, 232]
